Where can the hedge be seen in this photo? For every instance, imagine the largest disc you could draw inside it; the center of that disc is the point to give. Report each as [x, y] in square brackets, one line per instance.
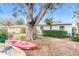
[54, 33]
[3, 35]
[75, 38]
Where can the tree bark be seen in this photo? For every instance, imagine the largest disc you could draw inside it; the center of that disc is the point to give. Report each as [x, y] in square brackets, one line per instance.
[41, 13]
[30, 12]
[31, 24]
[78, 26]
[29, 32]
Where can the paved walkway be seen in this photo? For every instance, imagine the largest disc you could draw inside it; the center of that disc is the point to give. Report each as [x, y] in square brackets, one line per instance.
[55, 47]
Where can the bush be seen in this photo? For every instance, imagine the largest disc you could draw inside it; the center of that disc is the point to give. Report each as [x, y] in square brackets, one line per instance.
[23, 30]
[20, 36]
[3, 35]
[41, 27]
[75, 37]
[10, 35]
[54, 33]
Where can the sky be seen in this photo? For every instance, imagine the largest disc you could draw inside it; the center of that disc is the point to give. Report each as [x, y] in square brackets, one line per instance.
[61, 14]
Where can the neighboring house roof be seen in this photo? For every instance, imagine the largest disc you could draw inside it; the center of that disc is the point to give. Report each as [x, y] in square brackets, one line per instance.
[14, 26]
[64, 23]
[56, 24]
[17, 26]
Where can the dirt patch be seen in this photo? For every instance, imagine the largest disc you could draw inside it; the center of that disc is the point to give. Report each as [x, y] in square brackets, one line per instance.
[54, 47]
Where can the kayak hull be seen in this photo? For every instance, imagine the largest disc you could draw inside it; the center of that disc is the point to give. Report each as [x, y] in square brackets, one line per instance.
[21, 44]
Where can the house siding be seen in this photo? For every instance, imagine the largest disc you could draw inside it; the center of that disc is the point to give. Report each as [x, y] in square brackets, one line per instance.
[16, 29]
[67, 28]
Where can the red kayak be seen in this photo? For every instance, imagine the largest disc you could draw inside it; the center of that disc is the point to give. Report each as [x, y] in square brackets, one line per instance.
[21, 44]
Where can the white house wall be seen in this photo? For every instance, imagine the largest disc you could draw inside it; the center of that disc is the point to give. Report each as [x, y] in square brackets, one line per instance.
[68, 28]
[39, 30]
[55, 27]
[46, 27]
[15, 30]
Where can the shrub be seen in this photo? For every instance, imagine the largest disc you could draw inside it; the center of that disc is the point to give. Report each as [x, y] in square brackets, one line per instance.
[41, 27]
[54, 33]
[20, 36]
[10, 35]
[75, 38]
[23, 30]
[3, 35]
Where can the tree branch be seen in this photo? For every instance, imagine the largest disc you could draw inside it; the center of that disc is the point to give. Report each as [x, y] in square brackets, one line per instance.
[30, 12]
[41, 13]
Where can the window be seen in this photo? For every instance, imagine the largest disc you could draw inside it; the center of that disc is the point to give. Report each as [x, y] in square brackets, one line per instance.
[62, 28]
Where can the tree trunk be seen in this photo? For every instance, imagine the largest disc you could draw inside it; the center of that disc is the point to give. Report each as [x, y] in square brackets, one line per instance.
[78, 26]
[29, 32]
[31, 25]
[30, 22]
